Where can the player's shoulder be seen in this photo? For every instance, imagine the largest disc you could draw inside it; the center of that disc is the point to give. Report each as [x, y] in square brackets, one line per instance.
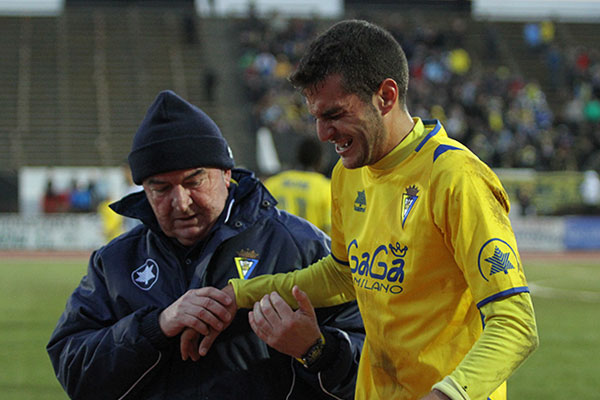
[442, 149]
[448, 156]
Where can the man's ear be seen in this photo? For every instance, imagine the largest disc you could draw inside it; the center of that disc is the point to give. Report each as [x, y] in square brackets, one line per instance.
[386, 96]
[227, 177]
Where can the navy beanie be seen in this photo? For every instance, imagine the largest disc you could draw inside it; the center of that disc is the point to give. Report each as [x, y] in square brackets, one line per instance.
[176, 135]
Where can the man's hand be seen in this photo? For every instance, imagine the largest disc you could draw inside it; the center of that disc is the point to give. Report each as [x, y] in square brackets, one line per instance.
[287, 331]
[202, 309]
[191, 336]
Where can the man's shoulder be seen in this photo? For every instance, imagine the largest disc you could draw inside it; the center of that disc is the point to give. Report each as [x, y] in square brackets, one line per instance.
[124, 242]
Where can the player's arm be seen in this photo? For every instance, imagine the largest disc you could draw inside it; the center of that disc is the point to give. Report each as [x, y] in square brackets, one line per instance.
[509, 337]
[471, 209]
[326, 282]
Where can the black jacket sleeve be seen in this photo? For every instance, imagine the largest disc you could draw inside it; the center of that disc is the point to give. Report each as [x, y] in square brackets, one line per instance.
[91, 346]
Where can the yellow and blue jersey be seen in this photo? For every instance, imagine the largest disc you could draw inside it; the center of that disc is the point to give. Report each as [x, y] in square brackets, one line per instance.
[422, 240]
[426, 236]
[305, 194]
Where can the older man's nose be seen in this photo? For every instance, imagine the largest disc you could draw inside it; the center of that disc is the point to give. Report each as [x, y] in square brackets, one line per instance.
[181, 198]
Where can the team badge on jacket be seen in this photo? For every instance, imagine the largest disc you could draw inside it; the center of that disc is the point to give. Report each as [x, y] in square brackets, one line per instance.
[409, 198]
[245, 262]
[145, 276]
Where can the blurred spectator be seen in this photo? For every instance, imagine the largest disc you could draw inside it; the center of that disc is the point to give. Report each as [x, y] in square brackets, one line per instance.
[524, 195]
[80, 197]
[190, 33]
[547, 32]
[591, 111]
[54, 202]
[491, 40]
[210, 84]
[459, 61]
[532, 35]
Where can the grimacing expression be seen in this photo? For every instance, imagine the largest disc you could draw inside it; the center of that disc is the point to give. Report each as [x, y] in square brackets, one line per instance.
[188, 202]
[351, 124]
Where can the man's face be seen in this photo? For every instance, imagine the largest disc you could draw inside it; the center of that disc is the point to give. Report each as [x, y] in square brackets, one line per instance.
[188, 202]
[352, 125]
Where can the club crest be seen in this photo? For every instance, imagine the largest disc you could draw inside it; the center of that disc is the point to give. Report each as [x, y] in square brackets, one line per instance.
[497, 257]
[245, 262]
[145, 276]
[360, 203]
[409, 198]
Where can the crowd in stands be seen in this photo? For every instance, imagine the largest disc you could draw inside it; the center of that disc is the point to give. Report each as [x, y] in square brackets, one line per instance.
[503, 117]
[78, 198]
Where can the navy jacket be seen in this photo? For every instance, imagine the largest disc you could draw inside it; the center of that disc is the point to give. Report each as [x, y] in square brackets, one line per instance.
[108, 344]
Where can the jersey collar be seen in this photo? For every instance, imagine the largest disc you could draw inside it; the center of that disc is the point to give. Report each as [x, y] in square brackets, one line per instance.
[402, 150]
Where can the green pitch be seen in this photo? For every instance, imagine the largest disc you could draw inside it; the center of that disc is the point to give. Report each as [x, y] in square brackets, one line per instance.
[566, 296]
[33, 294]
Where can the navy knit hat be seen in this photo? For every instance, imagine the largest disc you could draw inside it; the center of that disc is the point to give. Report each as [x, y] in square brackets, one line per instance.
[176, 135]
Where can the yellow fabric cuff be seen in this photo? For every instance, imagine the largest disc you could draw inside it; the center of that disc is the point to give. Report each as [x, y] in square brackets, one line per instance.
[326, 283]
[451, 388]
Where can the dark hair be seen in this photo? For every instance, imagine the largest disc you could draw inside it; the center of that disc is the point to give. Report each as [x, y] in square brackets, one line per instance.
[310, 153]
[362, 53]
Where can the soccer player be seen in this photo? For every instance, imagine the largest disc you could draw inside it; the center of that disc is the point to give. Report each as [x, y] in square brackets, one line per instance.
[420, 236]
[304, 192]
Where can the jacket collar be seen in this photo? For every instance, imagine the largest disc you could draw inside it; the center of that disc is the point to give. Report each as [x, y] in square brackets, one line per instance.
[246, 195]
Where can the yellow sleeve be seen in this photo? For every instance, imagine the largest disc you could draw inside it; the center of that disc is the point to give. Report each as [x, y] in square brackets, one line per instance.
[508, 338]
[326, 282]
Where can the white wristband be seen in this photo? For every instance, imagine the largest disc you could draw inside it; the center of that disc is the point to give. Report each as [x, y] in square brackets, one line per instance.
[451, 388]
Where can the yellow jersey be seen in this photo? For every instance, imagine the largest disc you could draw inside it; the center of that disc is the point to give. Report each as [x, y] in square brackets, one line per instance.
[305, 194]
[426, 235]
[422, 240]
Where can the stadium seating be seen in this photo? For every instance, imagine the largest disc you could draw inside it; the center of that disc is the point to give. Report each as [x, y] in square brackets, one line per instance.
[73, 88]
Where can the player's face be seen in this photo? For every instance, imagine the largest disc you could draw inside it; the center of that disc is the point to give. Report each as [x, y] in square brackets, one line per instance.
[352, 125]
[188, 202]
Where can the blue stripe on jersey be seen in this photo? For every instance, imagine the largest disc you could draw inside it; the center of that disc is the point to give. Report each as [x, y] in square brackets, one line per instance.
[441, 149]
[431, 134]
[337, 260]
[515, 290]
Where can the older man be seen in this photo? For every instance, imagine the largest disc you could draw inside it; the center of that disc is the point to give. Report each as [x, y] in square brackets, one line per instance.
[203, 222]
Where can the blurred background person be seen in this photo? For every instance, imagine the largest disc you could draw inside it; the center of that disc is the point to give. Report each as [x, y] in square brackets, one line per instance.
[305, 191]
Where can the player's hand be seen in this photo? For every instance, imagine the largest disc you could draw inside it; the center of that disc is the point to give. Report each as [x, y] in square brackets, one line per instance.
[201, 309]
[287, 331]
[190, 337]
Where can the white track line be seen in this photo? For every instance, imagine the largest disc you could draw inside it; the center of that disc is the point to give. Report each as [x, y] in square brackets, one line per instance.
[549, 293]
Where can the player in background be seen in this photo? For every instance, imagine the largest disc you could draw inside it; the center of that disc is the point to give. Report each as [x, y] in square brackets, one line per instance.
[420, 236]
[304, 192]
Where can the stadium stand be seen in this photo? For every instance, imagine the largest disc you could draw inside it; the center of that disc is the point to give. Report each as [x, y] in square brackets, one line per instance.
[75, 86]
[509, 106]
